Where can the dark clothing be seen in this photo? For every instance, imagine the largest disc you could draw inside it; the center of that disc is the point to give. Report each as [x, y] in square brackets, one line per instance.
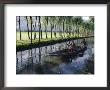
[84, 42]
[85, 46]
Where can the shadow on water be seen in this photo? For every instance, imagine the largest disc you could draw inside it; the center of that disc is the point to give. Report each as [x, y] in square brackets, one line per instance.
[38, 60]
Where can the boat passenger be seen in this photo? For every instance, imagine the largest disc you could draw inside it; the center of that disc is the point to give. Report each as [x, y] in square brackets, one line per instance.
[83, 45]
[72, 47]
[84, 42]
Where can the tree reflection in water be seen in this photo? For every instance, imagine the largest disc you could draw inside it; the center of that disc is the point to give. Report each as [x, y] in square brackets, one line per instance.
[37, 61]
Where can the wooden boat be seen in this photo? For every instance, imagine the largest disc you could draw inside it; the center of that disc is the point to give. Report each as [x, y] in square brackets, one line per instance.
[69, 52]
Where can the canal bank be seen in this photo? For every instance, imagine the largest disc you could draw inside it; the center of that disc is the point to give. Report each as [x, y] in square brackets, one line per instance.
[27, 46]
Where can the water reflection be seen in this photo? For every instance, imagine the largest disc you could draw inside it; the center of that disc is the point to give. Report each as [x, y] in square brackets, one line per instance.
[37, 60]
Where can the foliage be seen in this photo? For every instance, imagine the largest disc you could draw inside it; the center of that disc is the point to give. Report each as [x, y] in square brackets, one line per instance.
[45, 28]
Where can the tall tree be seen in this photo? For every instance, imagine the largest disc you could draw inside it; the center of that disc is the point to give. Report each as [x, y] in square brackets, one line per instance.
[59, 23]
[73, 26]
[27, 27]
[34, 27]
[51, 20]
[78, 21]
[39, 25]
[31, 27]
[55, 31]
[19, 27]
[92, 24]
[45, 23]
[63, 25]
[69, 25]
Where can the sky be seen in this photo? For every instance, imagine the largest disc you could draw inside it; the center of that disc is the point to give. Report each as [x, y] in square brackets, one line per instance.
[85, 18]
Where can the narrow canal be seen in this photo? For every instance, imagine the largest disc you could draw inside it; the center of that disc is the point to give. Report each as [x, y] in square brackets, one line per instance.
[38, 61]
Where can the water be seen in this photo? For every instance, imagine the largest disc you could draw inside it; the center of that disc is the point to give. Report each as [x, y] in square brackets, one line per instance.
[37, 60]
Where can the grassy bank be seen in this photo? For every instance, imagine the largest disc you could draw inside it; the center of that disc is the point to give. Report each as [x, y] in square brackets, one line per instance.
[25, 42]
[24, 35]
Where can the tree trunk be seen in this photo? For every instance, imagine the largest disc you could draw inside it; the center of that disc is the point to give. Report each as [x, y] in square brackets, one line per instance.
[55, 32]
[46, 27]
[63, 28]
[78, 31]
[39, 28]
[34, 31]
[73, 31]
[84, 32]
[69, 31]
[27, 27]
[41, 33]
[51, 30]
[31, 28]
[20, 27]
[45, 32]
[59, 30]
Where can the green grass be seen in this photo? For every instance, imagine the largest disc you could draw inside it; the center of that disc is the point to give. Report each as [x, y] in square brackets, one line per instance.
[25, 41]
[24, 35]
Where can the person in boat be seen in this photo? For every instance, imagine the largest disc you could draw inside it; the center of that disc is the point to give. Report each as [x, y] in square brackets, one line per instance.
[71, 47]
[83, 45]
[84, 42]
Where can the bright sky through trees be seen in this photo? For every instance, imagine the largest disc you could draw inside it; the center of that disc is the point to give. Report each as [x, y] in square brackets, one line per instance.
[23, 23]
[85, 18]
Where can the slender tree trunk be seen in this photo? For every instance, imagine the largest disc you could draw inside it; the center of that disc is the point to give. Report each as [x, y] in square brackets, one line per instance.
[73, 30]
[34, 31]
[39, 28]
[69, 31]
[51, 30]
[87, 32]
[27, 27]
[63, 28]
[31, 28]
[20, 27]
[55, 32]
[78, 31]
[34, 28]
[59, 30]
[45, 31]
[41, 33]
[46, 27]
[84, 32]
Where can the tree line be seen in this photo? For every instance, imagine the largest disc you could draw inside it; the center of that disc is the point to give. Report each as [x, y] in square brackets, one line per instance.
[66, 26]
